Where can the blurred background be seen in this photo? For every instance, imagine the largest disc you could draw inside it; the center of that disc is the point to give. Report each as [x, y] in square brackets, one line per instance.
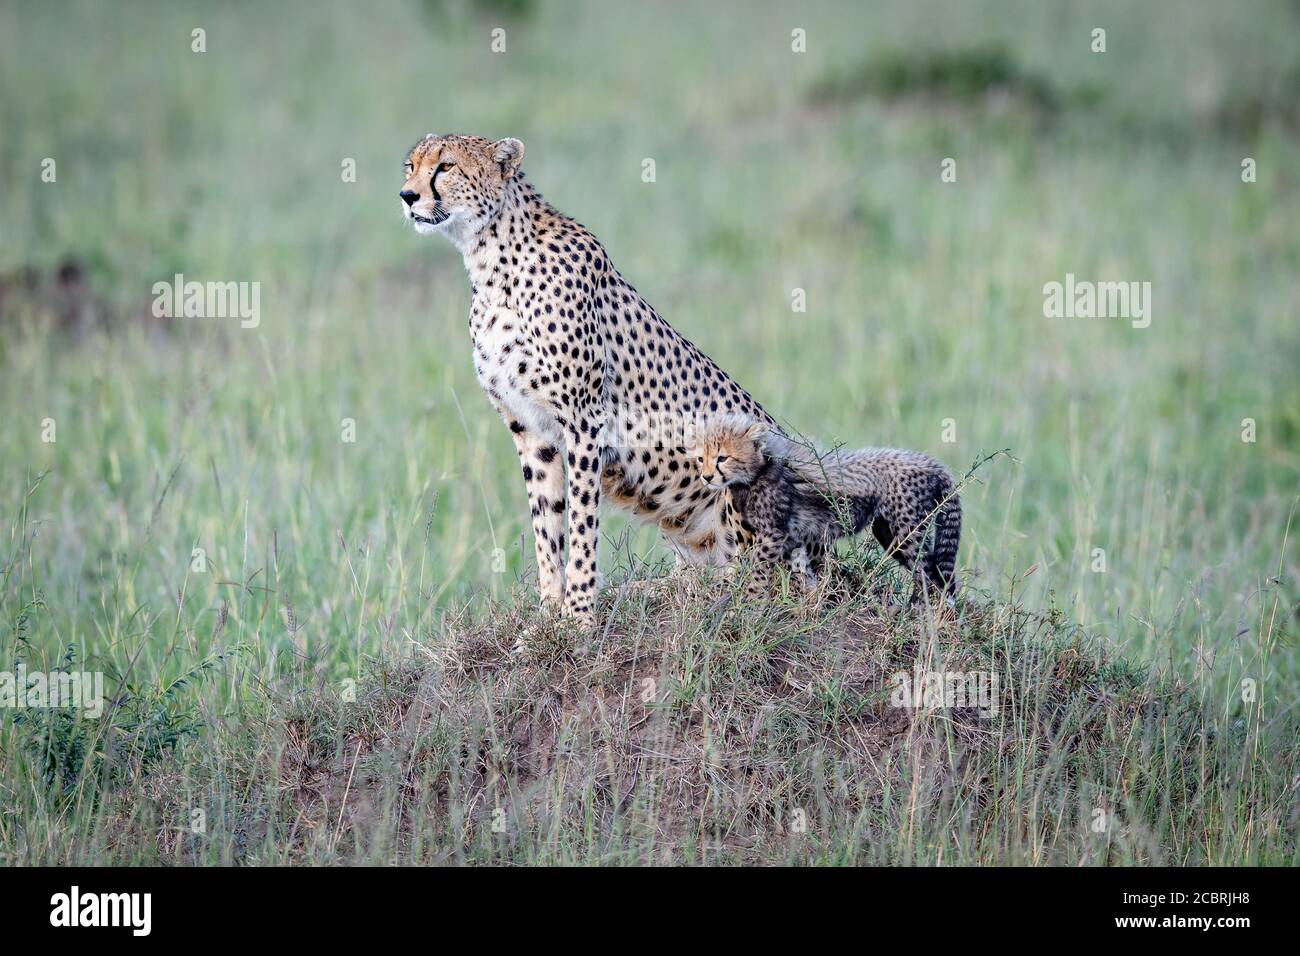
[199, 490]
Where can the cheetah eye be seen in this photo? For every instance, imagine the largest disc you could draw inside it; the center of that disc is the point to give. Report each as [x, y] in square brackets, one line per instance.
[722, 458]
[408, 168]
[443, 167]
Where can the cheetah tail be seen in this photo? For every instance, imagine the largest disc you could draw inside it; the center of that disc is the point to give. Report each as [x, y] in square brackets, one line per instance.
[940, 562]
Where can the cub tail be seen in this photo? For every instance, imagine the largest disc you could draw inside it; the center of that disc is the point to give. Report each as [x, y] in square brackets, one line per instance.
[941, 560]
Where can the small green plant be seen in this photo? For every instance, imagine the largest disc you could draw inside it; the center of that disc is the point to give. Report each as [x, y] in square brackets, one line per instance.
[138, 726]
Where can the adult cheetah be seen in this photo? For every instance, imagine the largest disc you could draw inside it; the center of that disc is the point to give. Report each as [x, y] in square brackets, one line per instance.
[581, 368]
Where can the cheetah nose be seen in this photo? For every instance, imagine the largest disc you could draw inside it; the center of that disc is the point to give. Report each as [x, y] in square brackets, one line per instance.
[410, 196]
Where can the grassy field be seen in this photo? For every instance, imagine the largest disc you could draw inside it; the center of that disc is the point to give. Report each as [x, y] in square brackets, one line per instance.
[328, 569]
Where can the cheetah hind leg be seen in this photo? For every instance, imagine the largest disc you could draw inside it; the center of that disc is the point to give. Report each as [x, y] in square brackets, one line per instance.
[925, 591]
[904, 548]
[932, 591]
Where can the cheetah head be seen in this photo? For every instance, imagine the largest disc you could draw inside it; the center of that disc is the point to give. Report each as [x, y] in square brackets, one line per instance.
[728, 450]
[456, 184]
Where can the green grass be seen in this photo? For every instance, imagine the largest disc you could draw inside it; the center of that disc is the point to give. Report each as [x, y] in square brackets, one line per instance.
[688, 731]
[328, 561]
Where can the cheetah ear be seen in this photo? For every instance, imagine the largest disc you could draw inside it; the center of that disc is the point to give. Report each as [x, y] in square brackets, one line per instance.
[774, 444]
[758, 433]
[508, 153]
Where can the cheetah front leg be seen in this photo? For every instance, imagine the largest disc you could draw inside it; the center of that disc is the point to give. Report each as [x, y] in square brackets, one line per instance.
[766, 556]
[580, 572]
[543, 470]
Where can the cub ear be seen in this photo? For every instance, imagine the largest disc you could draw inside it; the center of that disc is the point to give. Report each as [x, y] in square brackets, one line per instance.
[774, 444]
[508, 153]
[758, 433]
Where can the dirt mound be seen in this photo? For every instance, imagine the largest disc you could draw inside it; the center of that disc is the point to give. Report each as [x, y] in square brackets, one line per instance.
[694, 727]
[700, 727]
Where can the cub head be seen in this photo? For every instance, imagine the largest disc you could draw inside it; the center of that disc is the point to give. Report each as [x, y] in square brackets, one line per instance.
[728, 450]
[456, 184]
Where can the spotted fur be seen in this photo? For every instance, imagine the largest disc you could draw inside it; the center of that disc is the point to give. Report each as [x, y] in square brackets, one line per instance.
[797, 501]
[568, 352]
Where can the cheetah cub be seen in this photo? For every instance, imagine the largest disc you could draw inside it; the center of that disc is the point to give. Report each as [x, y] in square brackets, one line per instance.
[797, 502]
[766, 494]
